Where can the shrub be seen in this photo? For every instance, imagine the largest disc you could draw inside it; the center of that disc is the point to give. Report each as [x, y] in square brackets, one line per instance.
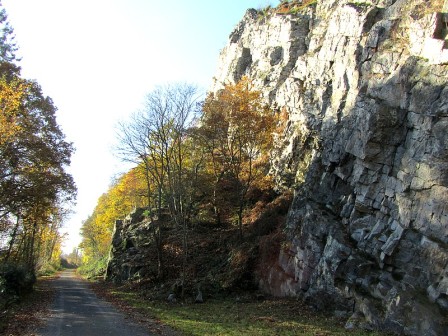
[49, 269]
[15, 281]
[94, 268]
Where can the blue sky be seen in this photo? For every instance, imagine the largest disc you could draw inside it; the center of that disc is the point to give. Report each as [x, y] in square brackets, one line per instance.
[98, 58]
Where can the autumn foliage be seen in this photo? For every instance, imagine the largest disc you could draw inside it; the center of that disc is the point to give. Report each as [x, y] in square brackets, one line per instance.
[34, 185]
[236, 133]
[36, 190]
[124, 194]
[200, 166]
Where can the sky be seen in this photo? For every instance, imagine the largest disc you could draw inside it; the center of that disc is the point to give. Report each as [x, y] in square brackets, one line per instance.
[97, 59]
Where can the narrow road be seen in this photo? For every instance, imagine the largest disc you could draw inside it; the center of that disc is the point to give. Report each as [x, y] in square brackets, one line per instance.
[78, 311]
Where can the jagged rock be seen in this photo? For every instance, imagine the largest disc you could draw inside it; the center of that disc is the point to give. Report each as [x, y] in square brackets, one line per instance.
[366, 150]
[131, 244]
[199, 298]
[171, 298]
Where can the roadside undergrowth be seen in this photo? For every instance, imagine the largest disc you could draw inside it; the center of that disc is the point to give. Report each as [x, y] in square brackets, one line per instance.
[233, 315]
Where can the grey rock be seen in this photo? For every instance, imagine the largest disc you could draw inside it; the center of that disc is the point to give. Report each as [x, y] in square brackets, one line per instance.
[199, 298]
[366, 152]
[171, 298]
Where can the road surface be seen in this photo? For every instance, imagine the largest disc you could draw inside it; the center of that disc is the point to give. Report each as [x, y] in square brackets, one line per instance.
[78, 311]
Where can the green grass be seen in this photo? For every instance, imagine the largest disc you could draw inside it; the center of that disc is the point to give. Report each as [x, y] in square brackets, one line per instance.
[227, 317]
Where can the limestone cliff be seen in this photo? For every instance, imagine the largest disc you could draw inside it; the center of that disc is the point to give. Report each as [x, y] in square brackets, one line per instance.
[365, 149]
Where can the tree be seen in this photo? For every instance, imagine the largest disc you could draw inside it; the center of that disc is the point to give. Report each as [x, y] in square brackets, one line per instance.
[33, 160]
[237, 133]
[34, 184]
[12, 94]
[126, 193]
[8, 47]
[182, 164]
[155, 138]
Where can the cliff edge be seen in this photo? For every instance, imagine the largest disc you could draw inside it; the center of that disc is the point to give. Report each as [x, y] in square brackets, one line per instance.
[365, 149]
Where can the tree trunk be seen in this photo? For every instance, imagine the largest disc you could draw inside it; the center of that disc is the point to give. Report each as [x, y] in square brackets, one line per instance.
[31, 255]
[240, 222]
[13, 239]
[158, 237]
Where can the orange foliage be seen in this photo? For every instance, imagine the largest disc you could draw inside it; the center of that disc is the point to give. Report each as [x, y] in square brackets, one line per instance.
[237, 130]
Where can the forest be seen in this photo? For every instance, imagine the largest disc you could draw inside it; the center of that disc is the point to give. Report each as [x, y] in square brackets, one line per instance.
[203, 160]
[321, 213]
[203, 165]
[36, 191]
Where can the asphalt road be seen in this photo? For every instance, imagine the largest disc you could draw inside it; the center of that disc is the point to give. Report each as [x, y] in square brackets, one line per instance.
[78, 311]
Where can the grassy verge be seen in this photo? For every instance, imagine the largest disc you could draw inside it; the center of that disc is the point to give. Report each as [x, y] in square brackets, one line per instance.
[229, 317]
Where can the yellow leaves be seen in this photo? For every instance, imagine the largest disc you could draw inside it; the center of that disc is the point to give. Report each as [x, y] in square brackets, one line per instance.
[11, 99]
[33, 157]
[120, 199]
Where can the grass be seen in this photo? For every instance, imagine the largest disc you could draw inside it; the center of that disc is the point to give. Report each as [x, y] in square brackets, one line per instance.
[226, 266]
[229, 317]
[264, 12]
[294, 7]
[424, 8]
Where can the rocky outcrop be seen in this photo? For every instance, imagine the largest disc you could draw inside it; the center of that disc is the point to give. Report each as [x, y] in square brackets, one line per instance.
[133, 249]
[365, 148]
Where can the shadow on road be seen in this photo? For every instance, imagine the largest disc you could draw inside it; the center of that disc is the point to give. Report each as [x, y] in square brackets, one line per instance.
[78, 311]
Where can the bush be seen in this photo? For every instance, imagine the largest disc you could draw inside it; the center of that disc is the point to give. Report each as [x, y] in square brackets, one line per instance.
[94, 268]
[15, 281]
[49, 269]
[68, 263]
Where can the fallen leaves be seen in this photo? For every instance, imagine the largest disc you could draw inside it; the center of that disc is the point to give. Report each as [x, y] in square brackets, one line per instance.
[24, 318]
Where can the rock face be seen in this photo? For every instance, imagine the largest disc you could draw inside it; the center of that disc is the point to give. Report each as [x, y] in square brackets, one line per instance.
[132, 244]
[365, 148]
